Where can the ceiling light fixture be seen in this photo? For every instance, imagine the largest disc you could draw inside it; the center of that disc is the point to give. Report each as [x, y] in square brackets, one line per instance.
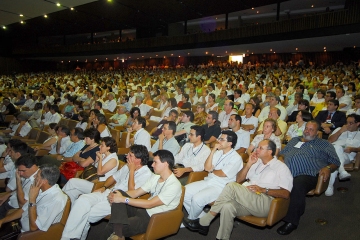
[22, 22]
[45, 16]
[58, 4]
[4, 27]
[72, 9]
[21, 15]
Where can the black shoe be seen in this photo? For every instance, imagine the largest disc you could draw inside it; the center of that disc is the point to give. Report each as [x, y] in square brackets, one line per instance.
[203, 230]
[286, 229]
[193, 225]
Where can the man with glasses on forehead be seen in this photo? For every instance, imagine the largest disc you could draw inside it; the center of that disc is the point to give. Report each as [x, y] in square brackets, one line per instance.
[192, 155]
[92, 207]
[346, 141]
[263, 178]
[222, 164]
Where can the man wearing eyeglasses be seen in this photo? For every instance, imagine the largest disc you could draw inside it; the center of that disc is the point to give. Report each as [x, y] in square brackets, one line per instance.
[263, 178]
[193, 154]
[222, 164]
[346, 141]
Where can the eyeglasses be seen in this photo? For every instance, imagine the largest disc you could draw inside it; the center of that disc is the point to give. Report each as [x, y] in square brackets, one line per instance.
[351, 123]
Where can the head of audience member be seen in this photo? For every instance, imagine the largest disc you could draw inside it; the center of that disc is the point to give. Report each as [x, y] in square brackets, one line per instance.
[17, 148]
[321, 94]
[197, 134]
[255, 101]
[26, 165]
[121, 110]
[234, 122]
[169, 129]
[211, 118]
[223, 94]
[173, 115]
[303, 104]
[228, 106]
[47, 176]
[205, 92]
[200, 108]
[111, 96]
[77, 134]
[138, 154]
[311, 130]
[63, 131]
[249, 110]
[303, 116]
[329, 95]
[266, 150]
[226, 141]
[139, 100]
[274, 113]
[332, 105]
[340, 92]
[99, 119]
[83, 116]
[139, 123]
[352, 122]
[163, 161]
[93, 113]
[22, 117]
[91, 136]
[298, 97]
[187, 116]
[185, 98]
[98, 105]
[269, 126]
[54, 109]
[135, 112]
[211, 98]
[108, 145]
[38, 106]
[237, 93]
[299, 88]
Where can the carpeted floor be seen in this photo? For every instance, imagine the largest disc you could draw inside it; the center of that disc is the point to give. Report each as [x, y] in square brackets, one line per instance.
[341, 211]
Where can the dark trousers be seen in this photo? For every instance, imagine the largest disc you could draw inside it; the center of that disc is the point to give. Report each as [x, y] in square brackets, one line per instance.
[134, 220]
[4, 208]
[301, 186]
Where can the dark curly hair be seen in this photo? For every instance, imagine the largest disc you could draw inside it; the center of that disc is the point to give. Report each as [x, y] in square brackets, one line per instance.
[110, 142]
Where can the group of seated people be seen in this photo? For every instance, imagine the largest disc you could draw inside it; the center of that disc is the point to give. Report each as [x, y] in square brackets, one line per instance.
[226, 123]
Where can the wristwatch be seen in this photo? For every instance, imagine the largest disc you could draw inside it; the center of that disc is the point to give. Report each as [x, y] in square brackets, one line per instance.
[266, 191]
[127, 200]
[32, 204]
[329, 168]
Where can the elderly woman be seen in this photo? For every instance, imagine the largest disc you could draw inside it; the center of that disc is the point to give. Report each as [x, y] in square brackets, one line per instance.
[296, 129]
[212, 105]
[106, 163]
[268, 133]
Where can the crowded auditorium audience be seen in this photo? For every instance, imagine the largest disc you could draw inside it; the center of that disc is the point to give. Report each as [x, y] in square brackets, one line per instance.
[208, 120]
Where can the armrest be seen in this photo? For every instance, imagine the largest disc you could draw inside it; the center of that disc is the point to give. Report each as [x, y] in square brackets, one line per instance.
[196, 176]
[41, 152]
[123, 150]
[97, 185]
[357, 162]
[166, 228]
[54, 232]
[278, 210]
[321, 186]
[78, 173]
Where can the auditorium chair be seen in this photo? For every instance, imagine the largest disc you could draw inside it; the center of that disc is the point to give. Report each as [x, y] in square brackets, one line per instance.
[32, 135]
[39, 140]
[164, 224]
[72, 123]
[98, 185]
[55, 230]
[278, 210]
[321, 186]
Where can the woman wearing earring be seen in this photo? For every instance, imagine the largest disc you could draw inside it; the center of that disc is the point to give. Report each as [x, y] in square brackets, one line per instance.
[106, 163]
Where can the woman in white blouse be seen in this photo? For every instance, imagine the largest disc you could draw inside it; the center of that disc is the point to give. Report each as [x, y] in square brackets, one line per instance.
[211, 106]
[83, 120]
[297, 129]
[319, 97]
[99, 123]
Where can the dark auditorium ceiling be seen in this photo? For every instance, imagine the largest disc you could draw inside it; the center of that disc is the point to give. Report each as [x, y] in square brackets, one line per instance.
[107, 15]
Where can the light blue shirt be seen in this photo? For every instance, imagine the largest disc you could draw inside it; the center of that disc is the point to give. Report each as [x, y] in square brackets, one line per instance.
[74, 148]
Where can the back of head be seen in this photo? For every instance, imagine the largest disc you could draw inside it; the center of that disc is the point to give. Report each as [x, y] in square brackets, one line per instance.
[27, 160]
[50, 172]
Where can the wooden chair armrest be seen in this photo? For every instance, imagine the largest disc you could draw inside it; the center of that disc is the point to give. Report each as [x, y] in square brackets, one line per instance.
[123, 150]
[41, 152]
[278, 210]
[78, 173]
[54, 232]
[196, 176]
[97, 185]
[321, 186]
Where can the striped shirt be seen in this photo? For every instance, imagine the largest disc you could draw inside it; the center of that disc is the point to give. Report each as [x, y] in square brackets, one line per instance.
[310, 157]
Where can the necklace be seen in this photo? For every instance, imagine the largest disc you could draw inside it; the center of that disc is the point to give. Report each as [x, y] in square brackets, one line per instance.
[347, 135]
[196, 152]
[154, 193]
[222, 158]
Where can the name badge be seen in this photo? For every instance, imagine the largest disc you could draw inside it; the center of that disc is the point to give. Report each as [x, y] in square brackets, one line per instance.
[299, 144]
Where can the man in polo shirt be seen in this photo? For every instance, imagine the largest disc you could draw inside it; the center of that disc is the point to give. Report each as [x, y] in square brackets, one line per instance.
[63, 141]
[222, 164]
[92, 207]
[345, 101]
[141, 137]
[166, 140]
[273, 102]
[119, 118]
[145, 109]
[212, 127]
[238, 101]
[224, 116]
[110, 104]
[243, 137]
[307, 157]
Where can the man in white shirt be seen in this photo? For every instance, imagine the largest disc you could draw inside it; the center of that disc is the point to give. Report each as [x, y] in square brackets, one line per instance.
[345, 101]
[110, 104]
[55, 116]
[130, 216]
[238, 101]
[254, 196]
[243, 137]
[92, 207]
[346, 141]
[46, 202]
[192, 155]
[166, 140]
[224, 116]
[222, 164]
[63, 141]
[141, 137]
[245, 96]
[184, 123]
[145, 109]
[248, 121]
[355, 110]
